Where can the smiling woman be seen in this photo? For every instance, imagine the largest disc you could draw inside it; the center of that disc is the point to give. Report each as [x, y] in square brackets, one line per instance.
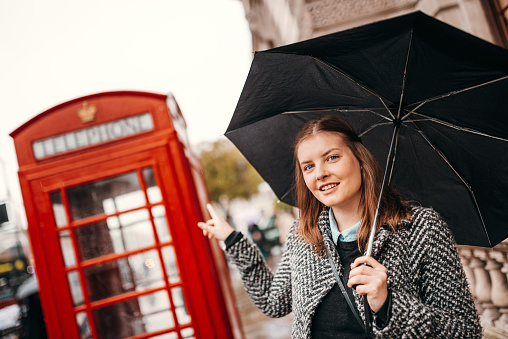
[413, 283]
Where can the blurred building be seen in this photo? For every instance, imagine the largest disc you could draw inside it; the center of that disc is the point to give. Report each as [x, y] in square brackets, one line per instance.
[279, 22]
[15, 266]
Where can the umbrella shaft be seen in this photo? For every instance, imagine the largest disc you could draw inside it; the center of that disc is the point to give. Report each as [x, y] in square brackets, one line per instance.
[386, 179]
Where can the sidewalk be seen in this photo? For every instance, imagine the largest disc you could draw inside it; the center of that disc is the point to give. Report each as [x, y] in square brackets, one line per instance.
[255, 324]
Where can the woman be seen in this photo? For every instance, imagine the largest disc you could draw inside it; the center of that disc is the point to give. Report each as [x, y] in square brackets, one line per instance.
[414, 282]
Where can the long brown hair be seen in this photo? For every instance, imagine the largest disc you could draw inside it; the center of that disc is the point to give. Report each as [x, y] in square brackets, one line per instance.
[394, 208]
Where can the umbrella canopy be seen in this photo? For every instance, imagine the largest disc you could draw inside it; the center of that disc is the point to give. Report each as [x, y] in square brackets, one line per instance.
[444, 93]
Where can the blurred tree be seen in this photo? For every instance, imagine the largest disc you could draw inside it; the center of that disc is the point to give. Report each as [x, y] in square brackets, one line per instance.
[228, 174]
[282, 206]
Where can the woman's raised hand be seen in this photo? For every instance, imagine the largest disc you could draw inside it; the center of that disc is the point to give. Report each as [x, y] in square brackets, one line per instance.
[216, 227]
[370, 280]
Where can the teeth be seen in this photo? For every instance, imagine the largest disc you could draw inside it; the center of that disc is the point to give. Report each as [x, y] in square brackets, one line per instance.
[327, 187]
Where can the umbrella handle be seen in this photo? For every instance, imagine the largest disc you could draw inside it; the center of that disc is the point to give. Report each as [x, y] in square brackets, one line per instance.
[386, 179]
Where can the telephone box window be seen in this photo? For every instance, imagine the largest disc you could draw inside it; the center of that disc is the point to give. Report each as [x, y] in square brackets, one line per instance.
[77, 295]
[136, 316]
[83, 326]
[128, 232]
[93, 241]
[107, 196]
[159, 218]
[168, 253]
[67, 248]
[187, 332]
[153, 191]
[180, 307]
[137, 273]
[58, 209]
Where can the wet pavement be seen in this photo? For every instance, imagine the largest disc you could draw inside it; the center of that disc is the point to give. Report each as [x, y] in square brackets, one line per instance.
[255, 324]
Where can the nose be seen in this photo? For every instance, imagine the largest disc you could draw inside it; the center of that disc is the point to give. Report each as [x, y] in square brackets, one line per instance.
[321, 172]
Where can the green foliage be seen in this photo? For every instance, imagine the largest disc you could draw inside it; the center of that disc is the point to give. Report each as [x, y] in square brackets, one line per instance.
[282, 206]
[228, 174]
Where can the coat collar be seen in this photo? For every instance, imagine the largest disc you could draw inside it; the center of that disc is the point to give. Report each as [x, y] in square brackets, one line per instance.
[324, 227]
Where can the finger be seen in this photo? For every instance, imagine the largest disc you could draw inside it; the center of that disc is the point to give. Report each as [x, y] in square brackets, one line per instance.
[210, 222]
[368, 260]
[202, 225]
[205, 227]
[358, 280]
[212, 212]
[362, 270]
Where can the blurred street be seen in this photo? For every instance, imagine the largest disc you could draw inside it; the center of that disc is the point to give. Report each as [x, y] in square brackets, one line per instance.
[255, 324]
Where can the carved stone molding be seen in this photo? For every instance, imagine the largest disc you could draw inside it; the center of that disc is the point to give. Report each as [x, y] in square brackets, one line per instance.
[330, 12]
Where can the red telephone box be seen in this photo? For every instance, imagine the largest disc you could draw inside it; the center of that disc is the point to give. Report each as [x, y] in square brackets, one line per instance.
[112, 194]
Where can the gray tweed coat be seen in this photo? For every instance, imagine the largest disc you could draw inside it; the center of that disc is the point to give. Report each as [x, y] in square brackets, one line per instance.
[430, 294]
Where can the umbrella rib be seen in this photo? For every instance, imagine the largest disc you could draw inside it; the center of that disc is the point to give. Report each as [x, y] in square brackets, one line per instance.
[370, 110]
[333, 109]
[387, 109]
[356, 82]
[459, 128]
[468, 187]
[420, 103]
[405, 72]
[374, 126]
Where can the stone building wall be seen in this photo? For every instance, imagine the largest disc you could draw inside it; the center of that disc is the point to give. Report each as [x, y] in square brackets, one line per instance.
[278, 22]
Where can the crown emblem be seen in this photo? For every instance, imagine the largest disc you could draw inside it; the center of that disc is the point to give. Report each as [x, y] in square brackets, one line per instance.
[87, 113]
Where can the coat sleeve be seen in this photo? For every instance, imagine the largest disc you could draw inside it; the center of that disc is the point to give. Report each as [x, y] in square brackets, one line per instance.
[436, 302]
[270, 293]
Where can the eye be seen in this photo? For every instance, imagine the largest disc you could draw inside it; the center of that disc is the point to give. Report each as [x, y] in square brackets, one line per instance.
[307, 168]
[333, 157]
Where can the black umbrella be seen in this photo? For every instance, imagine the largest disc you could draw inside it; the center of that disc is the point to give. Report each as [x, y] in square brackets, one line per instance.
[432, 96]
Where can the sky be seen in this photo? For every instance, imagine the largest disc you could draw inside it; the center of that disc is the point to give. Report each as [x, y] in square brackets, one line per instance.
[53, 51]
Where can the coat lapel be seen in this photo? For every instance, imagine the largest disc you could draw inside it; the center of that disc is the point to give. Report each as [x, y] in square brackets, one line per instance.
[324, 228]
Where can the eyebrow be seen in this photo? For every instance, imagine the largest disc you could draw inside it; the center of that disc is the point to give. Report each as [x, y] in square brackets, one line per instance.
[324, 154]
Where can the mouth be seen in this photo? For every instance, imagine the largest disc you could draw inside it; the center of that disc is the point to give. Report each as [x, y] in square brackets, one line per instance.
[328, 187]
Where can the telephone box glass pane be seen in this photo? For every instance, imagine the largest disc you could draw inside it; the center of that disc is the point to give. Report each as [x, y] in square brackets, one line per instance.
[94, 240]
[67, 248]
[159, 218]
[180, 307]
[106, 196]
[83, 326]
[168, 253]
[153, 191]
[136, 316]
[172, 335]
[127, 232]
[58, 209]
[77, 296]
[187, 332]
[135, 273]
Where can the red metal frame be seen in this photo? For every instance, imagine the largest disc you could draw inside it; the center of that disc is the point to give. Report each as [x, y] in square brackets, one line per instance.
[204, 278]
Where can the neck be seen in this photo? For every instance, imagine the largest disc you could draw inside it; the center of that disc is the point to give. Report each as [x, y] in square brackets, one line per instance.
[346, 218]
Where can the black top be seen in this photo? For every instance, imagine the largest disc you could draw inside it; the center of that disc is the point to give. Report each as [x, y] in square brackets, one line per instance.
[333, 317]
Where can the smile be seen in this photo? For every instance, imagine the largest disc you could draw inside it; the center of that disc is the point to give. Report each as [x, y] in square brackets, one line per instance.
[327, 187]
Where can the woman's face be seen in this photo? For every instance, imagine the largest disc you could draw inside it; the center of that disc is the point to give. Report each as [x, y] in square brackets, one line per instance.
[330, 170]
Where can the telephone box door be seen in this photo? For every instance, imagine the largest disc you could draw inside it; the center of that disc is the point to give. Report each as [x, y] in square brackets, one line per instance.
[111, 250]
